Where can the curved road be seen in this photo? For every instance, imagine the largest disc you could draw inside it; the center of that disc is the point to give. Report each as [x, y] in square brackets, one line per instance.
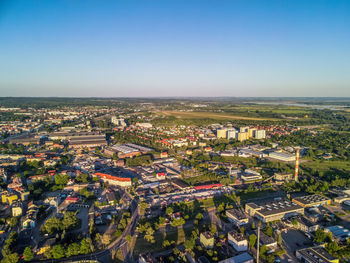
[100, 255]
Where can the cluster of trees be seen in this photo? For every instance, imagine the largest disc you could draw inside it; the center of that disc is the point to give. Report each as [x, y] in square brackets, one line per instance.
[144, 160]
[59, 251]
[86, 193]
[10, 148]
[56, 225]
[8, 256]
[131, 137]
[147, 229]
[319, 143]
[82, 178]
[312, 185]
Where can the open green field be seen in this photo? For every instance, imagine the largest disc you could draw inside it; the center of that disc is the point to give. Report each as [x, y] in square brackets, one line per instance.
[178, 235]
[211, 115]
[327, 165]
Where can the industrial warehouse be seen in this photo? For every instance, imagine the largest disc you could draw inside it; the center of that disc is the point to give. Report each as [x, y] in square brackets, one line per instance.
[312, 200]
[273, 211]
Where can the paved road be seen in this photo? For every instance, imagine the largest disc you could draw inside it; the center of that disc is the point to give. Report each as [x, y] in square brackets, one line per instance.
[104, 254]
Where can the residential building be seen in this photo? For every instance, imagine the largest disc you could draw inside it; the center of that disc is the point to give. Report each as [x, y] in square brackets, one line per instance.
[237, 240]
[221, 133]
[207, 240]
[280, 178]
[114, 180]
[17, 210]
[237, 217]
[259, 134]
[8, 198]
[242, 136]
[232, 134]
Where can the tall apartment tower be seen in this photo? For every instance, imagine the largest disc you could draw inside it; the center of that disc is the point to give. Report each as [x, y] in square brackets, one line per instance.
[297, 157]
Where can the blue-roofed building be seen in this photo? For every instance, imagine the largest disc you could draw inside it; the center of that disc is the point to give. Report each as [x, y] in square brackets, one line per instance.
[241, 258]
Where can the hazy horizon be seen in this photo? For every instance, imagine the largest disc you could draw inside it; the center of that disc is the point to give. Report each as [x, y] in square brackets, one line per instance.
[174, 49]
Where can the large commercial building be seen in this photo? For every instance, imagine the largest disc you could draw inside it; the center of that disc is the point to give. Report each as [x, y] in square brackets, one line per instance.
[315, 255]
[127, 150]
[115, 180]
[285, 157]
[272, 211]
[312, 200]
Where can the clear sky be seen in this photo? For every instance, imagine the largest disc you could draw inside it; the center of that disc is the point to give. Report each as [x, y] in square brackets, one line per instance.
[174, 48]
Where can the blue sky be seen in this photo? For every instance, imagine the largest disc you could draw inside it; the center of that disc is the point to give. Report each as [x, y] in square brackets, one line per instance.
[174, 48]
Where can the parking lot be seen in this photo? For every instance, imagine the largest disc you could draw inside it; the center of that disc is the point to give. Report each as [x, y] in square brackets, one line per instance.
[292, 241]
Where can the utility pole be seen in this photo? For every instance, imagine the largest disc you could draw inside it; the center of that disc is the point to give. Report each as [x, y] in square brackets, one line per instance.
[258, 245]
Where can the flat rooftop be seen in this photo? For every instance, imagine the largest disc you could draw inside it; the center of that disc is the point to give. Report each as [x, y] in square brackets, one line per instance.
[316, 254]
[237, 235]
[275, 207]
[236, 213]
[311, 199]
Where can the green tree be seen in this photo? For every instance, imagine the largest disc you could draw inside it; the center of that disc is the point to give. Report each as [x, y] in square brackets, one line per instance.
[319, 236]
[169, 210]
[58, 251]
[86, 246]
[332, 247]
[149, 236]
[28, 254]
[61, 179]
[190, 243]
[13, 221]
[70, 220]
[252, 240]
[269, 231]
[73, 250]
[161, 220]
[10, 258]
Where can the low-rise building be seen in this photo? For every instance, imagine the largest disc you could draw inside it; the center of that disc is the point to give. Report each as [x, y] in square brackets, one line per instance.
[280, 156]
[312, 200]
[272, 211]
[237, 240]
[267, 241]
[17, 210]
[8, 198]
[237, 217]
[241, 258]
[207, 240]
[306, 225]
[115, 180]
[315, 255]
[280, 178]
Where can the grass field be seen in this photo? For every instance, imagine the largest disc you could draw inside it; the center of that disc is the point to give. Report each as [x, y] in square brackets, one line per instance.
[326, 165]
[178, 235]
[210, 115]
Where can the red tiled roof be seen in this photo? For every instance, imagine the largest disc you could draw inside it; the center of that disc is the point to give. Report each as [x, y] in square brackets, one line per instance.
[207, 186]
[111, 177]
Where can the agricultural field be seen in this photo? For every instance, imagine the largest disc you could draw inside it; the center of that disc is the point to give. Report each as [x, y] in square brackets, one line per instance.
[211, 115]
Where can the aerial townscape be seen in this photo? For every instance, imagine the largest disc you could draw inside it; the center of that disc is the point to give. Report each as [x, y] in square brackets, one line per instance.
[174, 180]
[175, 131]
